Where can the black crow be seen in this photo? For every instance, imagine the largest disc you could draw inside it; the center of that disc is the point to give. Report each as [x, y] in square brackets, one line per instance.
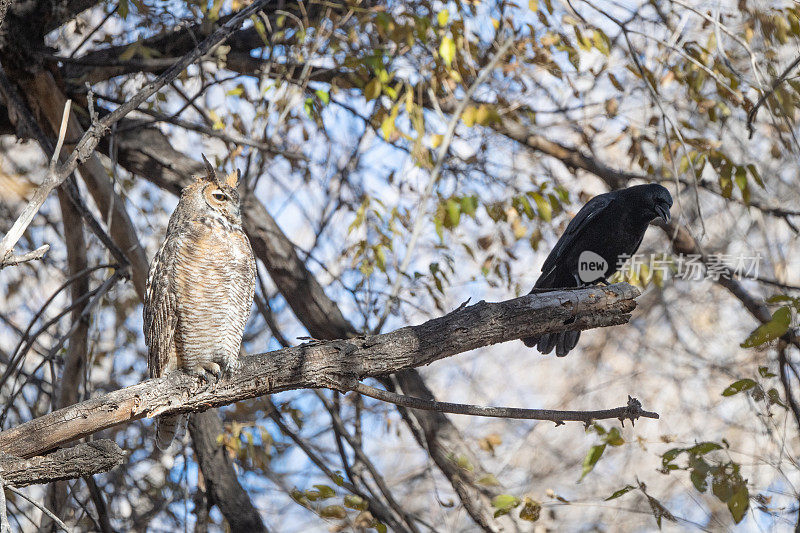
[610, 225]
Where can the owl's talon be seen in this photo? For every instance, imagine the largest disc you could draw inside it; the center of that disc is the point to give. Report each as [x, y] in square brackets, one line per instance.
[208, 372]
[213, 369]
[232, 366]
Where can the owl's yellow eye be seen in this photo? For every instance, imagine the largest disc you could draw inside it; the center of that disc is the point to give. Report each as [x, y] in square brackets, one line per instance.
[219, 196]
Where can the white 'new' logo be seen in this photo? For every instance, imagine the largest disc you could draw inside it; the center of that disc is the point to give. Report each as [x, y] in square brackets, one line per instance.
[591, 266]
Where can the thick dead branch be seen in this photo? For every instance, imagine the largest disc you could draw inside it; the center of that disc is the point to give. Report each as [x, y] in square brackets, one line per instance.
[70, 463]
[337, 365]
[224, 489]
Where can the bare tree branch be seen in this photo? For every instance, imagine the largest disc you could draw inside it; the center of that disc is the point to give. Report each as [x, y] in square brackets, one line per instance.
[224, 489]
[33, 255]
[337, 365]
[69, 463]
[631, 412]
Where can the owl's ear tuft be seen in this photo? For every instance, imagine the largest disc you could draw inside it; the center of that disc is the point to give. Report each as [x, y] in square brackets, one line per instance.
[232, 179]
[211, 174]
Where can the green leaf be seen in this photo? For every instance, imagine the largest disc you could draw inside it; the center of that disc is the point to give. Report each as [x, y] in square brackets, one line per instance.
[333, 511]
[130, 51]
[504, 503]
[740, 177]
[488, 480]
[621, 492]
[354, 501]
[462, 462]
[453, 213]
[756, 176]
[614, 437]
[324, 96]
[601, 42]
[738, 386]
[739, 503]
[770, 330]
[123, 9]
[699, 480]
[704, 447]
[325, 491]
[670, 456]
[469, 204]
[373, 89]
[544, 207]
[217, 120]
[722, 489]
[447, 49]
[764, 372]
[775, 397]
[594, 455]
[337, 478]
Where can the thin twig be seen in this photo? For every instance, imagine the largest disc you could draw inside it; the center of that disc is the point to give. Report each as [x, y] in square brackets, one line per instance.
[199, 128]
[775, 84]
[41, 507]
[5, 527]
[630, 412]
[783, 362]
[39, 196]
[62, 132]
[13, 260]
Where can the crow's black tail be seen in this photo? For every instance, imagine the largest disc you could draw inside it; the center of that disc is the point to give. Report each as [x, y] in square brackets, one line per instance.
[563, 342]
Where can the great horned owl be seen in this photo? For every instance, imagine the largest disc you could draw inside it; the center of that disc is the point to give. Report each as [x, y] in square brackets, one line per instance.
[199, 288]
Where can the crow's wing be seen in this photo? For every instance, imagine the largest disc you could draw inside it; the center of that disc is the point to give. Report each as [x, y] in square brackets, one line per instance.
[575, 227]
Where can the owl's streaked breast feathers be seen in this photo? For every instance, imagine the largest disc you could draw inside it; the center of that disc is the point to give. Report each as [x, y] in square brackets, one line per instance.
[200, 286]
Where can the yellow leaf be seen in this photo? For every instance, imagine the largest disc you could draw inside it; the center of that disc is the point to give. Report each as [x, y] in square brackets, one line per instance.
[469, 116]
[436, 140]
[388, 125]
[218, 124]
[533, 5]
[447, 50]
[443, 17]
[484, 115]
[519, 229]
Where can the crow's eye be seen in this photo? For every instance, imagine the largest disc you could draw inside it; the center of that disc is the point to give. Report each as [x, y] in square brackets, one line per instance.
[219, 196]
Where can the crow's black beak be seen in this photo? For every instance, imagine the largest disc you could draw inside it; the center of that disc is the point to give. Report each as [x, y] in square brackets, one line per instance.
[663, 212]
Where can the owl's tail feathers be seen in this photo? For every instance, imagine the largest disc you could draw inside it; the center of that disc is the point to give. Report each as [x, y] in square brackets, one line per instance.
[166, 428]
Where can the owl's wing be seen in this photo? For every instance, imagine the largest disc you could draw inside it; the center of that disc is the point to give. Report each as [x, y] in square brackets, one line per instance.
[252, 273]
[160, 310]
